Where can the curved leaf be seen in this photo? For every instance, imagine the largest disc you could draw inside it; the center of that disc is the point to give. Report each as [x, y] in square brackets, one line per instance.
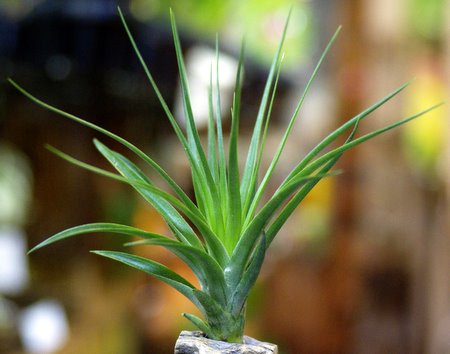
[201, 325]
[250, 172]
[157, 270]
[242, 291]
[322, 160]
[293, 119]
[147, 159]
[96, 228]
[213, 244]
[340, 130]
[301, 194]
[170, 214]
[204, 176]
[246, 244]
[234, 220]
[226, 325]
[207, 270]
[166, 210]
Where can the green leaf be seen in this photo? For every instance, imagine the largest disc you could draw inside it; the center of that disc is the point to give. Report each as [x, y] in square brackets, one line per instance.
[95, 228]
[293, 119]
[223, 238]
[207, 270]
[328, 160]
[301, 194]
[240, 295]
[246, 244]
[113, 136]
[219, 321]
[313, 166]
[252, 203]
[220, 146]
[86, 166]
[190, 211]
[167, 211]
[204, 176]
[234, 206]
[250, 172]
[212, 144]
[201, 325]
[150, 78]
[157, 270]
[224, 325]
[204, 194]
[340, 130]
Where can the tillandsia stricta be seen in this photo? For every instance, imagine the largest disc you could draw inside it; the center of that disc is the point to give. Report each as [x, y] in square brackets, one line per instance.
[224, 232]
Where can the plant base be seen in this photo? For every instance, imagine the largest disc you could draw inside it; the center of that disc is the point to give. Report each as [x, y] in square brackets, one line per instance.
[195, 343]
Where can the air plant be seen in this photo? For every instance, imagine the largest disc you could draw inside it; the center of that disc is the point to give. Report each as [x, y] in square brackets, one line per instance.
[224, 232]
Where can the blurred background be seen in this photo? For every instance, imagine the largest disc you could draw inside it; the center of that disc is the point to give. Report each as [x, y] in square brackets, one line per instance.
[363, 264]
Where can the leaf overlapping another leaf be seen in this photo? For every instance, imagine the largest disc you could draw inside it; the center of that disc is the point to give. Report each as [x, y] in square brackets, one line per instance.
[224, 233]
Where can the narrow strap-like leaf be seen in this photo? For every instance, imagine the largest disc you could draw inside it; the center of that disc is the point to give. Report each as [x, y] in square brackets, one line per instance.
[241, 292]
[246, 244]
[201, 300]
[222, 182]
[167, 211]
[313, 166]
[212, 143]
[198, 173]
[340, 130]
[174, 219]
[337, 152]
[157, 270]
[172, 120]
[200, 324]
[175, 187]
[207, 305]
[234, 205]
[190, 210]
[96, 228]
[292, 121]
[195, 146]
[250, 173]
[279, 221]
[217, 317]
[207, 270]
[223, 185]
[327, 161]
[213, 244]
[252, 201]
[222, 322]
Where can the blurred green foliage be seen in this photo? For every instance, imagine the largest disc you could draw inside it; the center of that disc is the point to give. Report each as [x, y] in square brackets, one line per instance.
[260, 20]
[427, 17]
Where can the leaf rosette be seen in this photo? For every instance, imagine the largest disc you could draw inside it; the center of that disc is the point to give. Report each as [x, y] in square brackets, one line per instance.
[223, 234]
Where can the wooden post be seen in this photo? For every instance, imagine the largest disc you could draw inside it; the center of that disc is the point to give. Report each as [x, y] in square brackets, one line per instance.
[341, 277]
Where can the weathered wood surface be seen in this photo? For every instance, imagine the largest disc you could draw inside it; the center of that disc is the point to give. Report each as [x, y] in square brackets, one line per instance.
[195, 343]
